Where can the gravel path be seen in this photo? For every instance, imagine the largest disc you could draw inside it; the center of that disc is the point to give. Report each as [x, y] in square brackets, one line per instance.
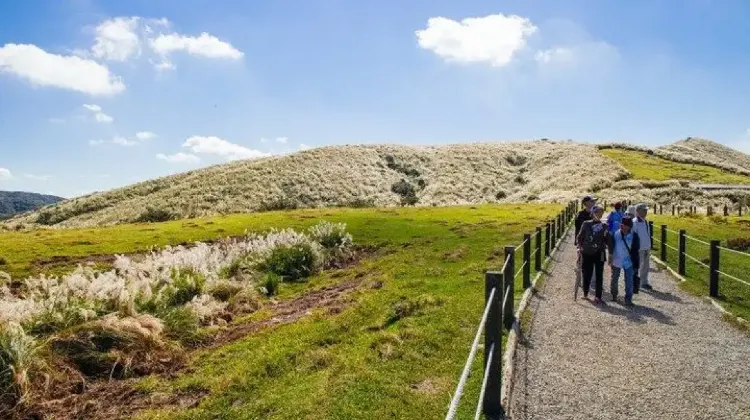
[670, 357]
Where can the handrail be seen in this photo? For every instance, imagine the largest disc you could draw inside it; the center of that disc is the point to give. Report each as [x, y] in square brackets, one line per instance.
[697, 240]
[697, 261]
[520, 270]
[745, 254]
[733, 277]
[470, 360]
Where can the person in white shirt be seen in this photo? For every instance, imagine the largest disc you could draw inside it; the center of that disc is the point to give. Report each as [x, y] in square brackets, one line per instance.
[641, 227]
[623, 256]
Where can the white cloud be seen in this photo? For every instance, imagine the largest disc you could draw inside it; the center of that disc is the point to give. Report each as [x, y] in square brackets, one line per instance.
[164, 65]
[117, 40]
[122, 141]
[41, 68]
[5, 174]
[204, 45]
[216, 146]
[281, 140]
[145, 135]
[98, 114]
[179, 158]
[38, 177]
[493, 39]
[589, 54]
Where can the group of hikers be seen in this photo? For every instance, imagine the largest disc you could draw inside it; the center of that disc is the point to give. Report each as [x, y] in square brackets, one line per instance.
[624, 241]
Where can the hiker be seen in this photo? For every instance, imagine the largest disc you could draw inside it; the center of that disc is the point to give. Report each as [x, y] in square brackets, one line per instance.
[631, 212]
[585, 214]
[624, 253]
[592, 244]
[615, 217]
[642, 228]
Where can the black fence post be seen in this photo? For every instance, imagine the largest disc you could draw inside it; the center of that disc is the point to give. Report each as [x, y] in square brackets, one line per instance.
[661, 209]
[651, 234]
[508, 287]
[681, 253]
[713, 277]
[740, 209]
[726, 210]
[547, 239]
[554, 234]
[672, 209]
[538, 255]
[664, 243]
[526, 260]
[493, 333]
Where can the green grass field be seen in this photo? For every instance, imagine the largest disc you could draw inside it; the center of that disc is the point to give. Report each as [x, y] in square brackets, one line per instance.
[363, 362]
[652, 168]
[733, 295]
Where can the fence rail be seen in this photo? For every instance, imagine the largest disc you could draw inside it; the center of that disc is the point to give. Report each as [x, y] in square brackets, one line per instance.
[659, 208]
[499, 315]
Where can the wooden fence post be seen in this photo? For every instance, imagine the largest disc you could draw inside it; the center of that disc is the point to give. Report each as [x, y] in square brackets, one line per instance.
[681, 253]
[526, 260]
[664, 243]
[651, 234]
[547, 239]
[508, 287]
[726, 210]
[713, 277]
[554, 234]
[672, 209]
[538, 255]
[493, 333]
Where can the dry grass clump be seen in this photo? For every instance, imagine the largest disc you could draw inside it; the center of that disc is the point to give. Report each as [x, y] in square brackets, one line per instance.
[360, 176]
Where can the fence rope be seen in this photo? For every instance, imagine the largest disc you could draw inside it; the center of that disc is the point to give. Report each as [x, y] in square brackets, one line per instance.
[521, 244]
[470, 360]
[672, 248]
[735, 251]
[733, 277]
[698, 240]
[478, 413]
[520, 269]
[673, 231]
[505, 298]
[505, 265]
[697, 260]
[533, 253]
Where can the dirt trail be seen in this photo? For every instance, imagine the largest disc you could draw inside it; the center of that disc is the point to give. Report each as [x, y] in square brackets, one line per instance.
[669, 357]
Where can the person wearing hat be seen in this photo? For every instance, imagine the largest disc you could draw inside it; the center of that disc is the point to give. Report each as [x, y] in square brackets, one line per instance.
[631, 212]
[642, 228]
[585, 214]
[624, 255]
[592, 244]
[614, 218]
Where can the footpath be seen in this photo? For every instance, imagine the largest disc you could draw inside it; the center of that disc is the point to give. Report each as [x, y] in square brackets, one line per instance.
[669, 357]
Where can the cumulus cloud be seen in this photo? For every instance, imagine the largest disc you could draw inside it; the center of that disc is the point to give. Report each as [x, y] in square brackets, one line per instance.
[179, 158]
[117, 39]
[41, 68]
[98, 114]
[215, 146]
[204, 45]
[493, 39]
[145, 135]
[5, 174]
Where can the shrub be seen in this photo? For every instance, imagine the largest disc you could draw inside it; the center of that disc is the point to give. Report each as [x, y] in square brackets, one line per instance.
[224, 290]
[279, 203]
[501, 195]
[688, 215]
[359, 203]
[407, 307]
[3, 261]
[291, 262]
[186, 284]
[271, 284]
[331, 235]
[155, 215]
[19, 358]
[718, 219]
[520, 179]
[739, 244]
[181, 324]
[246, 301]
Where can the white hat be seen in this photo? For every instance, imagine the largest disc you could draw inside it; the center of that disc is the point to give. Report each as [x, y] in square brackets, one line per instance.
[631, 210]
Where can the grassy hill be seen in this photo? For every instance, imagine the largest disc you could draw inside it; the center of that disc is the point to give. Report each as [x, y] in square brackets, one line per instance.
[353, 176]
[12, 202]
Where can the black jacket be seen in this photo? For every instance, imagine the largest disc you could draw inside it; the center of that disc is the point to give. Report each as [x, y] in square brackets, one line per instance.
[583, 216]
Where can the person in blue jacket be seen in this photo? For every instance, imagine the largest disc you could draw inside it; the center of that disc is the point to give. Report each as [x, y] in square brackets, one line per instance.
[615, 218]
[624, 255]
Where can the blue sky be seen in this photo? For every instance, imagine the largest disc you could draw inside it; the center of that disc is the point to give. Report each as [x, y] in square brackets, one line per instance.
[100, 94]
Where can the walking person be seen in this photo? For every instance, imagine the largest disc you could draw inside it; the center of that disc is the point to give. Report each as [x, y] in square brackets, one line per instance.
[592, 243]
[624, 253]
[642, 228]
[583, 215]
[615, 217]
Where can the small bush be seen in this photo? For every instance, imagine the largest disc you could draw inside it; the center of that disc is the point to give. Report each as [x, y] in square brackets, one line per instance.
[271, 284]
[224, 291]
[718, 219]
[186, 284]
[19, 358]
[3, 261]
[688, 215]
[331, 235]
[291, 262]
[181, 324]
[501, 195]
[359, 203]
[408, 307]
[279, 203]
[245, 302]
[155, 215]
[739, 244]
[519, 179]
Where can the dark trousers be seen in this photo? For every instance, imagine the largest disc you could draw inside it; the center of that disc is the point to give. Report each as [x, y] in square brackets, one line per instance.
[593, 264]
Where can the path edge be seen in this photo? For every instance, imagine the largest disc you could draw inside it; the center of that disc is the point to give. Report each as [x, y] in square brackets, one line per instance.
[512, 342]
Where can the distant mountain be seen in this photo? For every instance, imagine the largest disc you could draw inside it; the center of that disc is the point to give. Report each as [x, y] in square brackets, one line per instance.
[13, 202]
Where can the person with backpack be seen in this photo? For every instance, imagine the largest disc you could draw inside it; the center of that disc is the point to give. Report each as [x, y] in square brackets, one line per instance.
[643, 229]
[584, 215]
[614, 218]
[624, 254]
[592, 242]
